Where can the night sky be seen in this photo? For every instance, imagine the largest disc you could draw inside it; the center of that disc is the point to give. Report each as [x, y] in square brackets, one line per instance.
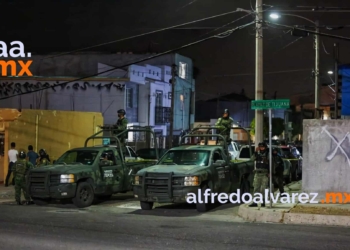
[59, 26]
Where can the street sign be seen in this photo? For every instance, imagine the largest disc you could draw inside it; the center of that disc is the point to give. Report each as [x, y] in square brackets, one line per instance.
[271, 104]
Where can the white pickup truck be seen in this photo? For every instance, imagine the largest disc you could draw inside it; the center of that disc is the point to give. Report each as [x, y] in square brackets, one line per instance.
[233, 150]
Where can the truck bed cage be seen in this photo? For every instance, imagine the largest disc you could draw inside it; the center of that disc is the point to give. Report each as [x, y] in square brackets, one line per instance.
[115, 137]
[211, 127]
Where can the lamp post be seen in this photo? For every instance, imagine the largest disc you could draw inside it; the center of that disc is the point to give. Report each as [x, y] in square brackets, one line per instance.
[317, 58]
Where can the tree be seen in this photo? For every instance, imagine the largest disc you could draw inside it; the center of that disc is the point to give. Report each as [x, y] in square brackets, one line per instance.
[277, 127]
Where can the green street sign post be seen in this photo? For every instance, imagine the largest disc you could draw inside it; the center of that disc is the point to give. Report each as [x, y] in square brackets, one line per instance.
[270, 105]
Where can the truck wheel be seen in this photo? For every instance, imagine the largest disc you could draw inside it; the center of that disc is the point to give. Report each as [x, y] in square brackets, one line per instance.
[41, 202]
[146, 205]
[202, 207]
[84, 196]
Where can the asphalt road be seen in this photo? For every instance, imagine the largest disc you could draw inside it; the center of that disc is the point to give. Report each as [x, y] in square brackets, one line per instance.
[119, 224]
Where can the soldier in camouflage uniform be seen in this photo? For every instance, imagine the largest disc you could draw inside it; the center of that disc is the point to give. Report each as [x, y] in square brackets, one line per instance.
[104, 160]
[120, 126]
[261, 180]
[44, 158]
[21, 169]
[277, 168]
[224, 125]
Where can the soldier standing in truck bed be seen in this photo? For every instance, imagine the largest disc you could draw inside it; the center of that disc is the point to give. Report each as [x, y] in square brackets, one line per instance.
[224, 125]
[121, 126]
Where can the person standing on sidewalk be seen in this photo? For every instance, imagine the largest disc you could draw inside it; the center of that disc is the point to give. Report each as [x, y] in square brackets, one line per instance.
[12, 154]
[277, 168]
[261, 180]
[32, 156]
[21, 169]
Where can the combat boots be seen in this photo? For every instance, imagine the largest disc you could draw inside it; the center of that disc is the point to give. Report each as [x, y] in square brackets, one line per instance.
[19, 203]
[28, 203]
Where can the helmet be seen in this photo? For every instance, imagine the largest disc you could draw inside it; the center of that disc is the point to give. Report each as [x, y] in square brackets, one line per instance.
[42, 152]
[274, 151]
[262, 144]
[22, 154]
[121, 111]
[226, 111]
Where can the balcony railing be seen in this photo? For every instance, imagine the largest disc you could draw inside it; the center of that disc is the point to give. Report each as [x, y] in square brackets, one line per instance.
[162, 115]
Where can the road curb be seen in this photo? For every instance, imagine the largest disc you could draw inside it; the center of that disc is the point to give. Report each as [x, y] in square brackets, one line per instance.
[260, 215]
[285, 217]
[316, 219]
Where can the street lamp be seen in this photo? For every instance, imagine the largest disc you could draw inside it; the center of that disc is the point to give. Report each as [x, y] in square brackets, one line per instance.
[317, 57]
[274, 16]
[330, 72]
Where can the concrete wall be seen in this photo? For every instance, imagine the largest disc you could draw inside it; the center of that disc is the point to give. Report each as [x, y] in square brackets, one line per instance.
[326, 168]
[55, 131]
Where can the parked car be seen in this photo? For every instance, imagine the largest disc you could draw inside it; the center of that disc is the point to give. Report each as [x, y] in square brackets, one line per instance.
[130, 154]
[296, 160]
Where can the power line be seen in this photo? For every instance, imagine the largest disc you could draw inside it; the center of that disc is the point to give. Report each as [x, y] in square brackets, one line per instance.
[221, 35]
[272, 72]
[310, 31]
[227, 24]
[143, 34]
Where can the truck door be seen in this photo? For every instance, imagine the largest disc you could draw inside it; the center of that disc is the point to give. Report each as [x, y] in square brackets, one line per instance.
[221, 175]
[112, 172]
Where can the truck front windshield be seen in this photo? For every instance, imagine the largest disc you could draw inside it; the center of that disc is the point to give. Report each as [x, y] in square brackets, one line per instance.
[85, 157]
[185, 157]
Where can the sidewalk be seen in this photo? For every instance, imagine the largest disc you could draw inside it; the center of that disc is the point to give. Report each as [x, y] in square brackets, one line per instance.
[297, 213]
[7, 192]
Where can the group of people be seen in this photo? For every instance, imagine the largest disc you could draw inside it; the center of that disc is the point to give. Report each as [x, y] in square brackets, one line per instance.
[19, 165]
[261, 158]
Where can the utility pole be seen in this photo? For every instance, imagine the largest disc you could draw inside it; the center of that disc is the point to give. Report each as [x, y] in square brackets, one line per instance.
[172, 113]
[259, 114]
[317, 71]
[336, 79]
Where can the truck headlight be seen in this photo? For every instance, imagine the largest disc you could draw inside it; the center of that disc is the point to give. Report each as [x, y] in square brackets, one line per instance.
[67, 178]
[137, 180]
[192, 181]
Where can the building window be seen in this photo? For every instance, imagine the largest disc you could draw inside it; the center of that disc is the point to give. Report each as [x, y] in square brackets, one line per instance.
[183, 70]
[129, 98]
[159, 98]
[162, 115]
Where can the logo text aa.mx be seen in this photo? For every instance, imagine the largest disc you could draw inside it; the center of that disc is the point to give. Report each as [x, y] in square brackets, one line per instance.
[11, 67]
